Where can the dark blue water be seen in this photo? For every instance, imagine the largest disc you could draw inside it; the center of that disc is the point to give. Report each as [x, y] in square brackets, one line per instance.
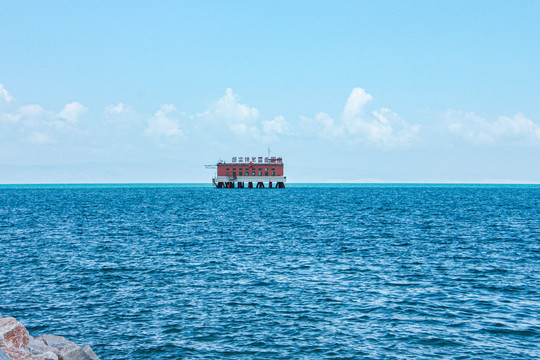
[395, 272]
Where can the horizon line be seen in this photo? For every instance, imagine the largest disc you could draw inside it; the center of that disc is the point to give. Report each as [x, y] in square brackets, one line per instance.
[289, 183]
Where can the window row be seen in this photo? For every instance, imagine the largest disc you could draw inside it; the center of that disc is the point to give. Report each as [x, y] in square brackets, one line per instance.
[240, 169]
[253, 173]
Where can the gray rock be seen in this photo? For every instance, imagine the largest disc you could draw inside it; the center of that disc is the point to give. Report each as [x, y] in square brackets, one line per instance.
[38, 346]
[47, 356]
[88, 350]
[3, 356]
[56, 341]
[74, 352]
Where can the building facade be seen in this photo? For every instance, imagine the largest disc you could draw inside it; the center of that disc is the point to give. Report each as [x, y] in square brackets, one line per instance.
[246, 171]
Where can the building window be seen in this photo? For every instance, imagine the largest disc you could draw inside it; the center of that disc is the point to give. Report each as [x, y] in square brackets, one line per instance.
[266, 173]
[253, 173]
[260, 173]
[234, 173]
[273, 173]
[227, 173]
[239, 173]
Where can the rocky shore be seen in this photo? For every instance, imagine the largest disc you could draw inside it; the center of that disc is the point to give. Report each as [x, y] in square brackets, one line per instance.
[17, 344]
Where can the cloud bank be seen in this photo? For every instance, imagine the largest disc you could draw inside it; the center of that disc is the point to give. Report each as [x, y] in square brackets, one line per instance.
[229, 115]
[359, 125]
[32, 124]
[5, 96]
[163, 124]
[480, 131]
[380, 128]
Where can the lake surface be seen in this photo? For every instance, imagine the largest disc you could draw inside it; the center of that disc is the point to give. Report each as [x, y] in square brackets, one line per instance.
[307, 272]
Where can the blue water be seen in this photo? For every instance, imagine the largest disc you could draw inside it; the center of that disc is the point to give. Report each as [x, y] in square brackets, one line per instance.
[307, 272]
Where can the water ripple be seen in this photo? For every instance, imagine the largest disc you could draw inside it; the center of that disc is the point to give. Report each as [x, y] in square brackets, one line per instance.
[334, 272]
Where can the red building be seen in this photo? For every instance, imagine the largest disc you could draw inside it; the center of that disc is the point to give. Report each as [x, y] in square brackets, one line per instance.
[242, 170]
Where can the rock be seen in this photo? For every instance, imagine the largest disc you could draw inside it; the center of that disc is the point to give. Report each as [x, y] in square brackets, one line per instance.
[88, 350]
[17, 344]
[74, 352]
[55, 341]
[22, 354]
[17, 354]
[46, 356]
[3, 355]
[38, 346]
[13, 333]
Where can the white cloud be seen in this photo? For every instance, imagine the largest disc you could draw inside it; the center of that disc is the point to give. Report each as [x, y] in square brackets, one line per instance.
[239, 118]
[278, 125]
[26, 114]
[9, 118]
[243, 129]
[116, 109]
[32, 111]
[36, 125]
[5, 96]
[355, 103]
[229, 109]
[382, 127]
[123, 116]
[389, 130]
[163, 125]
[479, 131]
[329, 129]
[34, 117]
[228, 114]
[72, 112]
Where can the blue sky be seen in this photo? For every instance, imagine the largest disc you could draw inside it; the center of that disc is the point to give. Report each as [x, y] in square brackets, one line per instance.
[386, 91]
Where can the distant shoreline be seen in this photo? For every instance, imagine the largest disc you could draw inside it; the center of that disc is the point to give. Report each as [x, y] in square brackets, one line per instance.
[289, 185]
